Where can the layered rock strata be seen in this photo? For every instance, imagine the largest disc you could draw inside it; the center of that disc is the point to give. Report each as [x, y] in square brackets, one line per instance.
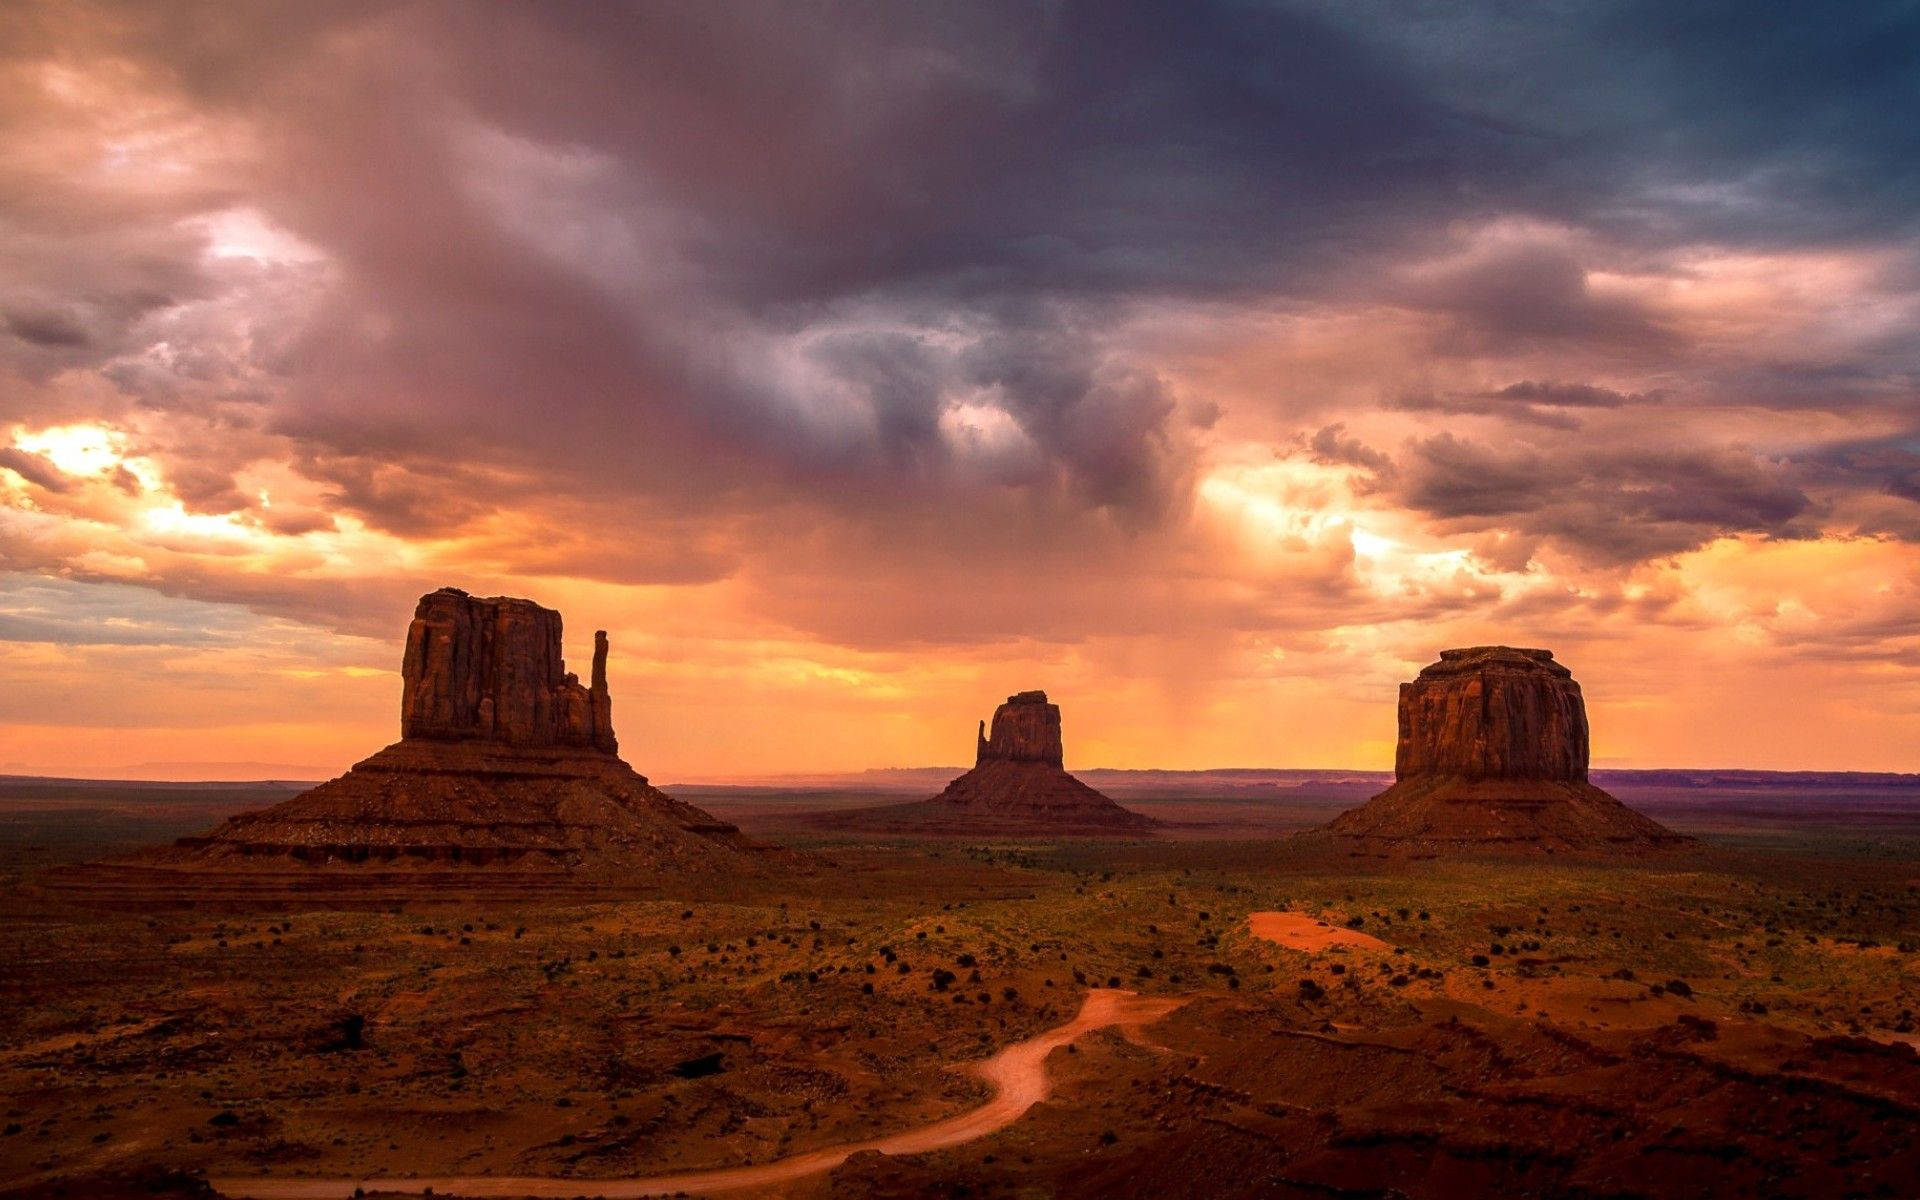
[1493, 750]
[504, 759]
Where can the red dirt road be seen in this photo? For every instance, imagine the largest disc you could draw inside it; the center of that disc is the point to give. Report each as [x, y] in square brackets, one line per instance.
[1018, 1074]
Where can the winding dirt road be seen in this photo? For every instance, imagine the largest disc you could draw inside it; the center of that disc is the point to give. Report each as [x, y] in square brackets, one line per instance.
[1018, 1074]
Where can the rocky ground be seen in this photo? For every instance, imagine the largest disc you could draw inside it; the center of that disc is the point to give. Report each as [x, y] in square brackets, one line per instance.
[1728, 1022]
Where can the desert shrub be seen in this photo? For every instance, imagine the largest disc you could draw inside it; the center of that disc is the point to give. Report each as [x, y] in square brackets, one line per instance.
[349, 1034]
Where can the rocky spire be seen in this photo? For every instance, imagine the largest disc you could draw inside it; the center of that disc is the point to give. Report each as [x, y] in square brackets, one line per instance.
[602, 707]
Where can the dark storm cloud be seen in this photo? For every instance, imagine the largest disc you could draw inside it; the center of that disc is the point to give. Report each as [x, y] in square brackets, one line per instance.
[1334, 446]
[1753, 123]
[1886, 468]
[1524, 295]
[47, 328]
[1105, 427]
[997, 149]
[205, 489]
[1613, 505]
[1531, 402]
[643, 266]
[935, 166]
[34, 469]
[1813, 104]
[1565, 395]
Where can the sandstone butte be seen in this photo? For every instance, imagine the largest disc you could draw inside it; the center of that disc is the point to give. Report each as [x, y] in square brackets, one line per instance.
[1018, 787]
[1493, 752]
[505, 760]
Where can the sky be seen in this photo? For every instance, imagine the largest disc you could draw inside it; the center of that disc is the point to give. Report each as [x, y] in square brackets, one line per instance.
[1209, 365]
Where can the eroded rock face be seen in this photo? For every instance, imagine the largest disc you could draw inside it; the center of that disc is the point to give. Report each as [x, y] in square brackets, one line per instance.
[504, 759]
[1493, 712]
[1025, 729]
[490, 669]
[1018, 787]
[1493, 752]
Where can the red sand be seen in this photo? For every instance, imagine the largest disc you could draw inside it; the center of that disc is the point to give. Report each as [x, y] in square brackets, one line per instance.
[1018, 1074]
[1298, 931]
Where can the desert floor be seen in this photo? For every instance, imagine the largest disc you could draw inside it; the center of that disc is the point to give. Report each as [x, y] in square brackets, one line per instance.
[1735, 1020]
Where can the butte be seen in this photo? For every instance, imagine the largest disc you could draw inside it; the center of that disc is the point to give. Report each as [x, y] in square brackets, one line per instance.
[1493, 753]
[507, 768]
[1018, 787]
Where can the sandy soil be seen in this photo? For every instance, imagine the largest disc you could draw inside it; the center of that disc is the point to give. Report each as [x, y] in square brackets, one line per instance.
[1298, 931]
[1018, 1074]
[1521, 1032]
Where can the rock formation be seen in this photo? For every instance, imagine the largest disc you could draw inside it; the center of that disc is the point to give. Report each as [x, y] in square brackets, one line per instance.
[1025, 729]
[1493, 751]
[504, 759]
[490, 670]
[1017, 787]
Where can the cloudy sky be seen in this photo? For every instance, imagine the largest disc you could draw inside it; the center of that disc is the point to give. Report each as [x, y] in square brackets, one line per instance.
[1211, 366]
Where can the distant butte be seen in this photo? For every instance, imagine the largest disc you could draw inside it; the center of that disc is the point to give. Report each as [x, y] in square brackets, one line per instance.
[505, 760]
[1493, 752]
[1018, 787]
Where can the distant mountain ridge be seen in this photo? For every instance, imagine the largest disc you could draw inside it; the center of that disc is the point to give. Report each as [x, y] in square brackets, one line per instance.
[905, 779]
[892, 779]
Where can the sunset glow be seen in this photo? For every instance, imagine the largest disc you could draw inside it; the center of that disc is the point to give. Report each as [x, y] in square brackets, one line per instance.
[852, 398]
